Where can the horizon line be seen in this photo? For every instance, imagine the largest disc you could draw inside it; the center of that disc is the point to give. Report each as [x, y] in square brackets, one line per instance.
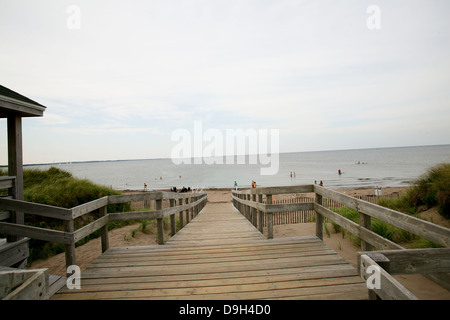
[246, 155]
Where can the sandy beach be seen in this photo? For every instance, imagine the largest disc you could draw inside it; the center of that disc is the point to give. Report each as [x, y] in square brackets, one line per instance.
[131, 236]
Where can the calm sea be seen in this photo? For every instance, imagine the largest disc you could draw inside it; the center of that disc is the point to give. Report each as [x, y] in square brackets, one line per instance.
[383, 167]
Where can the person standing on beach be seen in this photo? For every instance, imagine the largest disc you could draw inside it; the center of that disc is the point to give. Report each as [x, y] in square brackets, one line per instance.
[235, 185]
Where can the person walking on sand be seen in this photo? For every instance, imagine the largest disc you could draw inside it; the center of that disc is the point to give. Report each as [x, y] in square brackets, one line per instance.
[235, 185]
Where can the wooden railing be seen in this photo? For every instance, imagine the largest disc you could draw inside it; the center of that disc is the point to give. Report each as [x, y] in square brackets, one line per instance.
[250, 203]
[193, 203]
[256, 204]
[7, 183]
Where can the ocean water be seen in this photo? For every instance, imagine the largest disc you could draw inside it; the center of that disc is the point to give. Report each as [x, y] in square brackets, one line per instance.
[383, 167]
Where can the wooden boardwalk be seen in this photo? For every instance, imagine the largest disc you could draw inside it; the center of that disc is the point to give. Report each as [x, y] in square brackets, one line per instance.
[221, 255]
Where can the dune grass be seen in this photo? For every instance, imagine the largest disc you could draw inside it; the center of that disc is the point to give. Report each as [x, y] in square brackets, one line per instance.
[384, 229]
[431, 189]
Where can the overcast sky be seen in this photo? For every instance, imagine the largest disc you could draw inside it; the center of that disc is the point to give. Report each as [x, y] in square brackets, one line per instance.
[135, 71]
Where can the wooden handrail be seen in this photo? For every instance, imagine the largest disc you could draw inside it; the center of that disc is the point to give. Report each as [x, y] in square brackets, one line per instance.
[387, 287]
[356, 229]
[257, 211]
[90, 206]
[277, 190]
[69, 236]
[422, 228]
[36, 233]
[7, 182]
[37, 209]
[413, 261]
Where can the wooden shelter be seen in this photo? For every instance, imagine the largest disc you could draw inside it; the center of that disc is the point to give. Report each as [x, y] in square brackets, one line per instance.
[13, 107]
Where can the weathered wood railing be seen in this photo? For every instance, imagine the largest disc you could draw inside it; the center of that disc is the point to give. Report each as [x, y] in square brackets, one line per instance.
[13, 250]
[250, 203]
[8, 184]
[193, 203]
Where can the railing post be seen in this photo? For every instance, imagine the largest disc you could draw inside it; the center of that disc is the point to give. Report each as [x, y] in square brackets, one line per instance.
[241, 206]
[191, 210]
[15, 166]
[69, 248]
[365, 222]
[180, 202]
[196, 207]
[173, 225]
[382, 261]
[232, 199]
[269, 218]
[160, 223]
[254, 214]
[247, 208]
[104, 230]
[319, 219]
[260, 215]
[186, 201]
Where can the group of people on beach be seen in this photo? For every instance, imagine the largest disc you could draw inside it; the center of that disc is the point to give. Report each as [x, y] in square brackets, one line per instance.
[184, 189]
[173, 189]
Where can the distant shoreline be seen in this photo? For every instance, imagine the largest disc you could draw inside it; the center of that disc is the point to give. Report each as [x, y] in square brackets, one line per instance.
[166, 158]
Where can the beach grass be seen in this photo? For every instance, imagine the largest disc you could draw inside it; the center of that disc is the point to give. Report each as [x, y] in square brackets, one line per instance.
[431, 189]
[383, 229]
